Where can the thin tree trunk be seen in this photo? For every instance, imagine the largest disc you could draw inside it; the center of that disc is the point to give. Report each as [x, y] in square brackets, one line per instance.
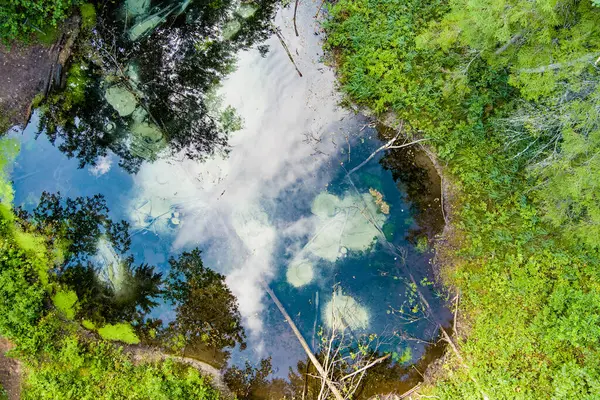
[295, 10]
[312, 357]
[287, 50]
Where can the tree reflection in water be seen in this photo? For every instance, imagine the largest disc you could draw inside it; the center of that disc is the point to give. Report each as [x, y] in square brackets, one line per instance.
[142, 79]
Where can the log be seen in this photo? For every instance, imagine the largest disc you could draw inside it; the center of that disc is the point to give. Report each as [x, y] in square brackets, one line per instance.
[310, 354]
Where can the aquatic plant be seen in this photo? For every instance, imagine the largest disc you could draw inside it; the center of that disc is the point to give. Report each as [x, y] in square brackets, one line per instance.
[343, 224]
[383, 206]
[300, 272]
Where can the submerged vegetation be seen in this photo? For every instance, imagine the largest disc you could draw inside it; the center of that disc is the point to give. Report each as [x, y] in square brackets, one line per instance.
[508, 94]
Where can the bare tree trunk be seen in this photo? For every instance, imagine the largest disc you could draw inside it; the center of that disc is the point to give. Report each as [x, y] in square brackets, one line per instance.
[312, 357]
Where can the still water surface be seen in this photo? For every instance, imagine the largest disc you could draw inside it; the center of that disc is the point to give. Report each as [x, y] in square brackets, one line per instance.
[279, 208]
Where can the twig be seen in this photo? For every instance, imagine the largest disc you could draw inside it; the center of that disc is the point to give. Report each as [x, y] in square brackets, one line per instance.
[358, 371]
[512, 41]
[295, 9]
[442, 199]
[319, 9]
[387, 146]
[455, 314]
[310, 354]
[408, 144]
[411, 391]
[276, 30]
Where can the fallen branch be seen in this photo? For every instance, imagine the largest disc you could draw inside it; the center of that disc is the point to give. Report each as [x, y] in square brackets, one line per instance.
[295, 10]
[319, 9]
[310, 354]
[551, 67]
[287, 50]
[389, 145]
[455, 314]
[442, 199]
[408, 144]
[380, 359]
[409, 392]
[512, 41]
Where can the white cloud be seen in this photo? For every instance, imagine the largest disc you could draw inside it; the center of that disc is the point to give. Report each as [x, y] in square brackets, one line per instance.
[103, 165]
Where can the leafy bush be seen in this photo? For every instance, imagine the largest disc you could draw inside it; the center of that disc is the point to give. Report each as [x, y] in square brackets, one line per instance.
[508, 94]
[19, 18]
[98, 371]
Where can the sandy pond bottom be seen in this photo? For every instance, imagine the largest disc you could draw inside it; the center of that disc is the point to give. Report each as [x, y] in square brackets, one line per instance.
[279, 208]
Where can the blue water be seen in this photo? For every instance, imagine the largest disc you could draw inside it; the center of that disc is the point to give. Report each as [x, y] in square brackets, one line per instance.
[373, 278]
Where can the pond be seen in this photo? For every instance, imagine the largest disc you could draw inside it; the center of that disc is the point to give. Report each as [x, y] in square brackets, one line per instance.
[279, 209]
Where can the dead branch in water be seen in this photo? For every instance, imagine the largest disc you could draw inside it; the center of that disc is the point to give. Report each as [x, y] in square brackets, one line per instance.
[287, 50]
[319, 9]
[310, 354]
[455, 314]
[389, 145]
[295, 10]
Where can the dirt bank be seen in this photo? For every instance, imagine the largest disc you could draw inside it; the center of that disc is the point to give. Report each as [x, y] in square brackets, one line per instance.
[28, 71]
[10, 371]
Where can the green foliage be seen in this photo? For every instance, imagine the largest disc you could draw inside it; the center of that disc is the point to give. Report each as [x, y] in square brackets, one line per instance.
[508, 93]
[19, 18]
[247, 382]
[99, 371]
[87, 324]
[88, 15]
[9, 148]
[66, 301]
[3, 393]
[122, 332]
[76, 224]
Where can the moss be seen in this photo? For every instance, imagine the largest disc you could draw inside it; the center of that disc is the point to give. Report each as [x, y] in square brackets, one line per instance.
[122, 332]
[37, 100]
[422, 244]
[48, 35]
[65, 301]
[88, 16]
[88, 325]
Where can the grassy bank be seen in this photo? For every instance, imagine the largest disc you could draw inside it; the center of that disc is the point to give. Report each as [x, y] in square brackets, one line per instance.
[508, 94]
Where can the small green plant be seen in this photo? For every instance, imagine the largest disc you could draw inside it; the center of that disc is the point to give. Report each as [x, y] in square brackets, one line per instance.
[66, 301]
[122, 332]
[422, 244]
[88, 15]
[37, 100]
[87, 324]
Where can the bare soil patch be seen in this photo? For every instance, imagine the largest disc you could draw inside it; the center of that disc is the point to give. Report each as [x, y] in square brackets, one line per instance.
[10, 371]
[28, 70]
